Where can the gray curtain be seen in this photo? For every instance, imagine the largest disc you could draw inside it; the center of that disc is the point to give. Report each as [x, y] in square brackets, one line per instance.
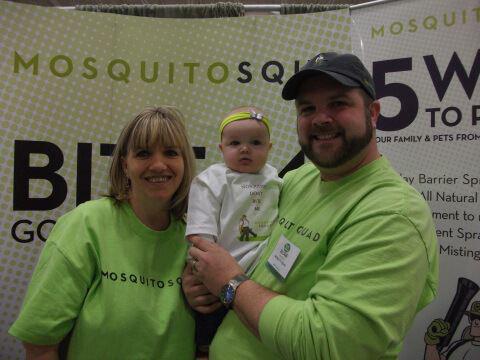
[286, 9]
[221, 9]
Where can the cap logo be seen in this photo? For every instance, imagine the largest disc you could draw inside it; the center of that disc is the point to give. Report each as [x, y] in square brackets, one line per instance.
[319, 59]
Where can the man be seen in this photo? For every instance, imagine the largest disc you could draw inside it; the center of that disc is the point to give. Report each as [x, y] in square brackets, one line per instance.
[353, 256]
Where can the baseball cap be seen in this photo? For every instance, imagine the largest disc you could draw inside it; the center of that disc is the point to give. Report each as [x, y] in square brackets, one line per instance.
[347, 69]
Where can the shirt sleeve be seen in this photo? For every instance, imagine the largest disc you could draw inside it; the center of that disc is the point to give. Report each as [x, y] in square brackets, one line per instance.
[364, 299]
[204, 206]
[58, 286]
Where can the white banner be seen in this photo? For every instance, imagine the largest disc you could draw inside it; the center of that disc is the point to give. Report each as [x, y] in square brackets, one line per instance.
[425, 59]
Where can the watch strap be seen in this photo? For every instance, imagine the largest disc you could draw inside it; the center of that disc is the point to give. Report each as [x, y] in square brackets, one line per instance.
[237, 280]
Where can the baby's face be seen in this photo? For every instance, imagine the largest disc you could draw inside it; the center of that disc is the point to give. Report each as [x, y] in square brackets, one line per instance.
[245, 145]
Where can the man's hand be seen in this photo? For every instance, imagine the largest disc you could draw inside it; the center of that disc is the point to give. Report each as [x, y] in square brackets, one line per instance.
[197, 294]
[215, 267]
[212, 264]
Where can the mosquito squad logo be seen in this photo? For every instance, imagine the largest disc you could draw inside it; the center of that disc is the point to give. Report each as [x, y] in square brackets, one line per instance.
[140, 280]
[126, 71]
[431, 22]
[285, 250]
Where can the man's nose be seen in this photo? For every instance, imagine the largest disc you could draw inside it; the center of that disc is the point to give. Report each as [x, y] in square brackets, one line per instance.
[322, 117]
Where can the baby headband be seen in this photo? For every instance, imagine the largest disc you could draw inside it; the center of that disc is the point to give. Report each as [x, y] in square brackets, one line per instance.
[244, 115]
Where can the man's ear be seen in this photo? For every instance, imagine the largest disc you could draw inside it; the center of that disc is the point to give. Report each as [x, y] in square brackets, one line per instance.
[374, 110]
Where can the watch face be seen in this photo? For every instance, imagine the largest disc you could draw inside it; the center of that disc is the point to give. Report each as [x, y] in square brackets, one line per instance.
[230, 293]
[227, 294]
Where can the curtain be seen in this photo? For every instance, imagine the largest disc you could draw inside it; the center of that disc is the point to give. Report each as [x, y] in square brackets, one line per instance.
[286, 9]
[221, 9]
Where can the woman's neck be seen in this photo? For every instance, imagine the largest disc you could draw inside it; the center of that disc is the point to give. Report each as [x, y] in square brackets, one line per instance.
[154, 217]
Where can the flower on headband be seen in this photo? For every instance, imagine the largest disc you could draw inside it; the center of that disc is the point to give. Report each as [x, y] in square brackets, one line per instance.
[256, 116]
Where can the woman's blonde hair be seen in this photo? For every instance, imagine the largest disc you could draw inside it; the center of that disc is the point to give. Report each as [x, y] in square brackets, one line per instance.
[155, 125]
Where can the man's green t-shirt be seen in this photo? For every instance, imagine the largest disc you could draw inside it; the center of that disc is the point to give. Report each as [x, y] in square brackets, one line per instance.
[368, 263]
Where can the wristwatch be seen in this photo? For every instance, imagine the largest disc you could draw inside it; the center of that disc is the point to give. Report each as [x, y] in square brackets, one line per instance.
[227, 294]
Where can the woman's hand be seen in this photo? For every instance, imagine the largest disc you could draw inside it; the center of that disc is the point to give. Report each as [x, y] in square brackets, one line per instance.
[197, 294]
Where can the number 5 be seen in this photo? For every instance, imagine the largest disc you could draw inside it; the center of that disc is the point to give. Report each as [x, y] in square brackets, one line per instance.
[404, 93]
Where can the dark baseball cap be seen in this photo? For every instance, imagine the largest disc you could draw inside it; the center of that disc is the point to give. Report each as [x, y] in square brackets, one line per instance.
[347, 69]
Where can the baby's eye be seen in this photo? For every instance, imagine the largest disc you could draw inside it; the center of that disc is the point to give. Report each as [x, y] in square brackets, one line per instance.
[234, 142]
[256, 142]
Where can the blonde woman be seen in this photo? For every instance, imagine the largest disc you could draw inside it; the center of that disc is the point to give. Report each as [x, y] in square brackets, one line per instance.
[110, 271]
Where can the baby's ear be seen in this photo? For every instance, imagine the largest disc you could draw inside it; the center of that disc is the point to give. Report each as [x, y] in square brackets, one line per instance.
[270, 146]
[220, 147]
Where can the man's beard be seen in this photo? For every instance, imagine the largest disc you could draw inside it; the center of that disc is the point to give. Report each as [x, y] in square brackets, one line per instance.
[349, 149]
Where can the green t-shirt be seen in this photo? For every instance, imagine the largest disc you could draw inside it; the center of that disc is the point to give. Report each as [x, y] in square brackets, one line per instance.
[368, 263]
[114, 281]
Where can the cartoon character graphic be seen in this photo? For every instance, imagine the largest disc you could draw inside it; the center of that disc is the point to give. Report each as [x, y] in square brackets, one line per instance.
[440, 331]
[245, 230]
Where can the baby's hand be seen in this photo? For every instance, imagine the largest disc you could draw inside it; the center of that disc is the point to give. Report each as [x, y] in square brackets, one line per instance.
[208, 237]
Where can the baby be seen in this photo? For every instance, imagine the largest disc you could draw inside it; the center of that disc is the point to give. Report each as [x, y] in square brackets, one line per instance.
[235, 203]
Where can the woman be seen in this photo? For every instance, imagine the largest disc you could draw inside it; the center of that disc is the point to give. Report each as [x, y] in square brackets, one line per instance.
[110, 271]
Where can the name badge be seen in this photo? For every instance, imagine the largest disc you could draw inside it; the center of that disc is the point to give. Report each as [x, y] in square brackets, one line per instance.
[283, 257]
